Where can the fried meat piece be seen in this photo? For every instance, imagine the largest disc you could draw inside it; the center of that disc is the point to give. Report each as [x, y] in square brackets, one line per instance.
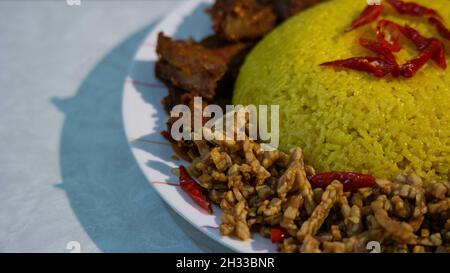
[189, 66]
[287, 8]
[203, 69]
[236, 20]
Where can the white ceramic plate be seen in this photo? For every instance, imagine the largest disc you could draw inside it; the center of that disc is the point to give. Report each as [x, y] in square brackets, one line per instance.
[144, 119]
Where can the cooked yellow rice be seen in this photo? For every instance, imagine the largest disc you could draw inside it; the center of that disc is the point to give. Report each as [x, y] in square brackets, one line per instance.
[348, 120]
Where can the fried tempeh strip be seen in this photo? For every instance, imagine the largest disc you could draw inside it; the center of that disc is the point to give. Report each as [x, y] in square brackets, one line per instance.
[352, 217]
[414, 191]
[331, 195]
[294, 178]
[286, 181]
[402, 232]
[401, 207]
[290, 213]
[438, 190]
[270, 157]
[303, 184]
[310, 245]
[234, 221]
[261, 173]
[440, 206]
[221, 160]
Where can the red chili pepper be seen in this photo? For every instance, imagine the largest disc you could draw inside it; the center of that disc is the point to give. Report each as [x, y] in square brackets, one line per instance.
[411, 8]
[389, 33]
[418, 39]
[370, 14]
[439, 56]
[277, 234]
[195, 191]
[351, 181]
[378, 66]
[422, 43]
[441, 28]
[379, 49]
[411, 67]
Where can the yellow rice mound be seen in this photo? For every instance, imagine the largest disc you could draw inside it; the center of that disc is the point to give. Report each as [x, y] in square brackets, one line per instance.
[349, 120]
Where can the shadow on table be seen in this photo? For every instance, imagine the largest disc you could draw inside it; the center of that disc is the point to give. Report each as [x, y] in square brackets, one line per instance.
[108, 193]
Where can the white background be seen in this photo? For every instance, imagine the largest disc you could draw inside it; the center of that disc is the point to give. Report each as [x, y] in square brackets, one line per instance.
[66, 172]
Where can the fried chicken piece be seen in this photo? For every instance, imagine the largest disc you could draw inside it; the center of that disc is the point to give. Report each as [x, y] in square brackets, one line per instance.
[236, 20]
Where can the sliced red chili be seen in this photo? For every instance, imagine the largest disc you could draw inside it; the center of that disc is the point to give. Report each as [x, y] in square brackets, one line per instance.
[422, 43]
[194, 190]
[411, 8]
[411, 67]
[379, 49]
[377, 66]
[389, 33]
[351, 181]
[369, 14]
[441, 28]
[277, 234]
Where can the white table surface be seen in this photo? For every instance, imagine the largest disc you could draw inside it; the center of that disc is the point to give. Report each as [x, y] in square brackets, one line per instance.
[66, 173]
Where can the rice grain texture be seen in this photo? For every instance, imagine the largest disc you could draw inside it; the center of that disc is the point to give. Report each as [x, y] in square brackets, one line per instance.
[348, 120]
